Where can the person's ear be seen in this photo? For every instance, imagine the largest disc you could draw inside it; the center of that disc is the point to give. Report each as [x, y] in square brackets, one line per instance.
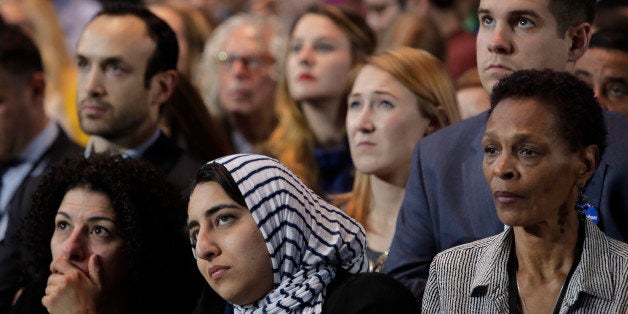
[438, 121]
[166, 83]
[37, 88]
[580, 36]
[590, 161]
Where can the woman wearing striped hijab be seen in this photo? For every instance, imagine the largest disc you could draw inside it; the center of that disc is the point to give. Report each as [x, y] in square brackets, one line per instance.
[268, 244]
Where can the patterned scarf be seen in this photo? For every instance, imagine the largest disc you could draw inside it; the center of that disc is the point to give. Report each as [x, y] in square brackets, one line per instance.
[307, 238]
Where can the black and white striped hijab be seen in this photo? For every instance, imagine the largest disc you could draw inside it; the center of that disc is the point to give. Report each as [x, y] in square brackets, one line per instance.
[307, 238]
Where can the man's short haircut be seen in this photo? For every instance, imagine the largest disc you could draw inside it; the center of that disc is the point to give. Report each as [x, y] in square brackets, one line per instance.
[570, 13]
[578, 115]
[19, 56]
[611, 38]
[166, 51]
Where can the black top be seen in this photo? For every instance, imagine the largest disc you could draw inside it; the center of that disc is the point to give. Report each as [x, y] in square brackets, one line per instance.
[368, 293]
[346, 294]
[29, 301]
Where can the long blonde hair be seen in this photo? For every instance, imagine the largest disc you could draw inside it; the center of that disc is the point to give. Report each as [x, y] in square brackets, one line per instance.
[293, 141]
[427, 78]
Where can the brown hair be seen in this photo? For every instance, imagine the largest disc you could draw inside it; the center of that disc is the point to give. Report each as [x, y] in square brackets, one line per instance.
[292, 142]
[427, 78]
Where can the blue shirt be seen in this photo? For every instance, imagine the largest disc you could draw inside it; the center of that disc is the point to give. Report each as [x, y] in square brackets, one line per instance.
[29, 156]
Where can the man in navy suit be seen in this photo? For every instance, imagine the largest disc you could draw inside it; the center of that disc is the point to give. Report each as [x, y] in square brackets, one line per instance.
[126, 59]
[447, 200]
[29, 144]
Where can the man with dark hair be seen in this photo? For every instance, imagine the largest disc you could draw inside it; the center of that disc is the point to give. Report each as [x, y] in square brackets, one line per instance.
[127, 61]
[29, 143]
[605, 68]
[447, 201]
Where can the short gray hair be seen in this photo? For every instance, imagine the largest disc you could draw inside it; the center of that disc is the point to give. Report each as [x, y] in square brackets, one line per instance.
[265, 25]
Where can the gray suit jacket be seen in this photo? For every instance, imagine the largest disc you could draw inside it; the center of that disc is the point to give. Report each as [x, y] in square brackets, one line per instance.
[448, 201]
[473, 278]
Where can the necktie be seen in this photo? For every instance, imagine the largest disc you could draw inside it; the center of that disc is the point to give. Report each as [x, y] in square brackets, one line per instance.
[4, 167]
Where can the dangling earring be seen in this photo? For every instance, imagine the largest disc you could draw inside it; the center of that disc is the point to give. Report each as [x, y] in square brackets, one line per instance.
[581, 198]
[583, 206]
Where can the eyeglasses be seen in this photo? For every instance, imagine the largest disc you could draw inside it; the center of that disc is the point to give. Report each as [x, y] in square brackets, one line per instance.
[251, 63]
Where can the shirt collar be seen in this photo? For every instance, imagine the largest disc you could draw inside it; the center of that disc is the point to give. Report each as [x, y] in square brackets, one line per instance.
[135, 152]
[40, 144]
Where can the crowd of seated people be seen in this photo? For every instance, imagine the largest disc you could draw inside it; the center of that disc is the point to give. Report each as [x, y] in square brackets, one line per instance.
[335, 156]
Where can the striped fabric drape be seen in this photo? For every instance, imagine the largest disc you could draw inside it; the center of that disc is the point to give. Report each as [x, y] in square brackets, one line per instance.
[307, 238]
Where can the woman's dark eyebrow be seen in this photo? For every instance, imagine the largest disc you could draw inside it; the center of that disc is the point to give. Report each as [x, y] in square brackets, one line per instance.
[209, 212]
[90, 219]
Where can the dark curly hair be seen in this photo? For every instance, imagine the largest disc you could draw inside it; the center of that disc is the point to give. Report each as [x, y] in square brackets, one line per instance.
[578, 115]
[150, 214]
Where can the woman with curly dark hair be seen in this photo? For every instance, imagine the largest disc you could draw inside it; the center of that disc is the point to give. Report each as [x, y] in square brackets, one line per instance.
[105, 234]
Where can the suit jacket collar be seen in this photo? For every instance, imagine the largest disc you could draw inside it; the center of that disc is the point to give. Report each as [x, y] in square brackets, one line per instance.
[475, 187]
[163, 153]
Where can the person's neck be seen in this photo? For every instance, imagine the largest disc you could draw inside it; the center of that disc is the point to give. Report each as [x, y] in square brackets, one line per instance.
[124, 142]
[547, 250]
[385, 202]
[545, 256]
[255, 128]
[324, 119]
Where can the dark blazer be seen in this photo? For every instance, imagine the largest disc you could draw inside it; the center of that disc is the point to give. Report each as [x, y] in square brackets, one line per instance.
[179, 165]
[17, 208]
[448, 201]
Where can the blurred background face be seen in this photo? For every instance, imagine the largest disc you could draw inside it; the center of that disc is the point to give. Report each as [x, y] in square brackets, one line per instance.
[12, 11]
[244, 72]
[230, 248]
[528, 166]
[384, 123]
[606, 71]
[85, 226]
[380, 14]
[319, 59]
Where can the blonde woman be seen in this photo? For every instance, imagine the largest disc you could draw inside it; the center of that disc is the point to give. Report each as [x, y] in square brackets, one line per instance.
[326, 44]
[399, 97]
